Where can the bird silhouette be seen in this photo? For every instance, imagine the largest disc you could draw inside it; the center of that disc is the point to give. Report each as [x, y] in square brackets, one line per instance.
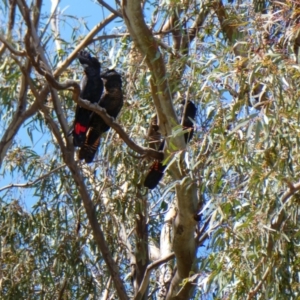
[91, 88]
[157, 169]
[112, 101]
[188, 119]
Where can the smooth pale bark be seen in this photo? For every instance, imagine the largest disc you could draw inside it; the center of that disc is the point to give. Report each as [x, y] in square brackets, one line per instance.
[184, 225]
[146, 43]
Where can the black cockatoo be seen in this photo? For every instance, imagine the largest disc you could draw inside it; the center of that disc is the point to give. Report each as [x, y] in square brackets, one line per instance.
[157, 169]
[112, 101]
[189, 115]
[91, 88]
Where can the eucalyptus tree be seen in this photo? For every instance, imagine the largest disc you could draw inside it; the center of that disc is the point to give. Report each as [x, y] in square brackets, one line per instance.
[222, 222]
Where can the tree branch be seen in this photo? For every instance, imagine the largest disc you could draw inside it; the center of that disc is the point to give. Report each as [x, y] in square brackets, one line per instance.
[107, 6]
[229, 30]
[55, 24]
[37, 12]
[203, 233]
[21, 114]
[102, 113]
[183, 243]
[148, 47]
[68, 157]
[182, 38]
[146, 278]
[110, 36]
[10, 23]
[277, 220]
[107, 289]
[32, 41]
[255, 290]
[55, 129]
[145, 152]
[10, 47]
[29, 184]
[62, 289]
[85, 42]
[96, 228]
[60, 114]
[166, 239]
[12, 16]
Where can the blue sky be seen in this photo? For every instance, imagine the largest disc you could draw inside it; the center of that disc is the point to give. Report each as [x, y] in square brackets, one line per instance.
[89, 10]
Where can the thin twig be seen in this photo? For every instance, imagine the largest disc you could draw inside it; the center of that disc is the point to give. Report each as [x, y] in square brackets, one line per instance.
[11, 47]
[55, 129]
[85, 42]
[254, 291]
[48, 22]
[59, 112]
[203, 234]
[29, 184]
[107, 6]
[21, 113]
[55, 24]
[107, 289]
[12, 16]
[279, 218]
[62, 289]
[110, 36]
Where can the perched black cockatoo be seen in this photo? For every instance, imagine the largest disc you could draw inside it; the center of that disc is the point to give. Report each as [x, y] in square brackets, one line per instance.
[189, 115]
[157, 169]
[91, 88]
[112, 101]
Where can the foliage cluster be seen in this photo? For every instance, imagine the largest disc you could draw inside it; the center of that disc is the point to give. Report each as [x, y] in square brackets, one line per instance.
[94, 230]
